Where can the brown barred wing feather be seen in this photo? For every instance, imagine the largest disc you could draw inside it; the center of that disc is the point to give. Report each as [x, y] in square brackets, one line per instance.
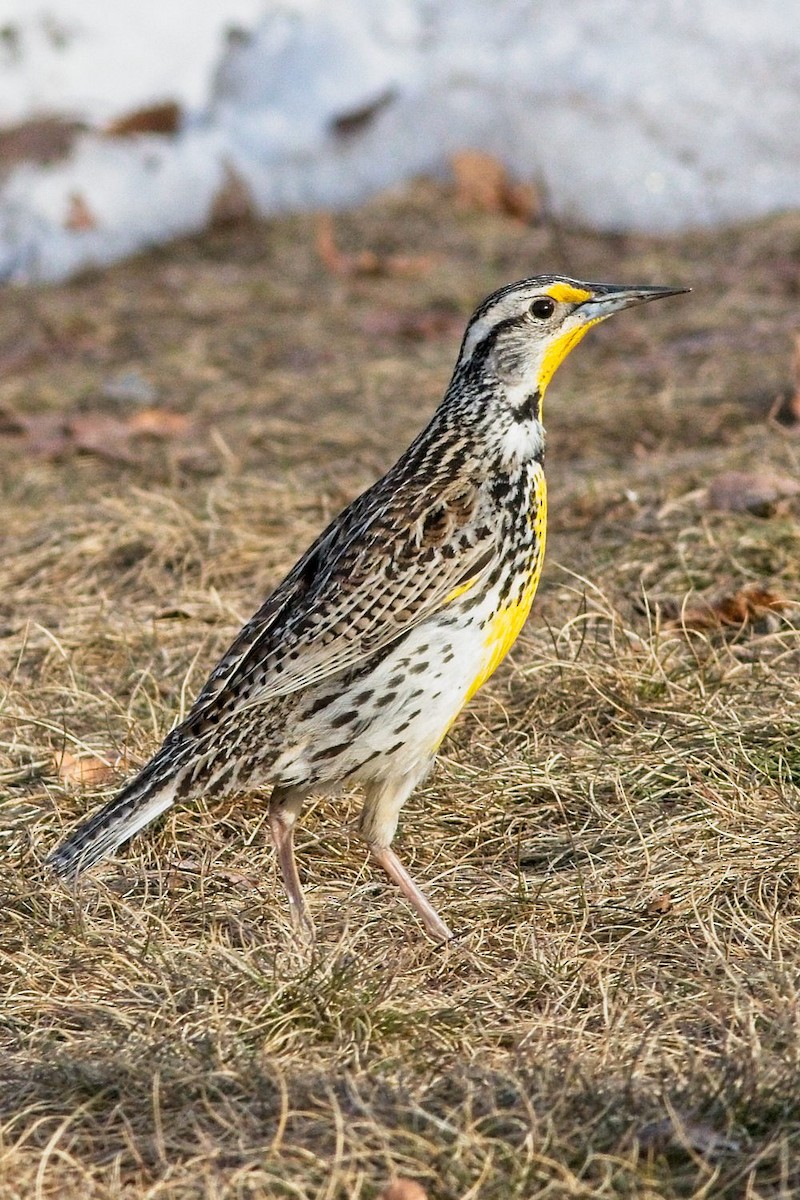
[350, 597]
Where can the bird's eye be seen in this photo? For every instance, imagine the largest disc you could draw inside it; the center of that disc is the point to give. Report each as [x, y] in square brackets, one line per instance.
[542, 308]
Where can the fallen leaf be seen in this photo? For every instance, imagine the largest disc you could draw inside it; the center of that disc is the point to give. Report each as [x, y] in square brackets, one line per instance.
[407, 264]
[188, 612]
[158, 422]
[524, 201]
[194, 867]
[403, 1189]
[697, 1136]
[45, 435]
[366, 262]
[659, 905]
[164, 118]
[233, 202]
[755, 492]
[416, 326]
[480, 181]
[749, 604]
[40, 140]
[79, 216]
[54, 435]
[102, 435]
[331, 256]
[483, 183]
[358, 118]
[76, 770]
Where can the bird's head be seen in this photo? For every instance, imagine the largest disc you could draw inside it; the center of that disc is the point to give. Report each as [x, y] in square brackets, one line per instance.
[520, 334]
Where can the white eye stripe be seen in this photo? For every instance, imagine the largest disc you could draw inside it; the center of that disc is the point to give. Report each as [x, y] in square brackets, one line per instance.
[508, 308]
[478, 331]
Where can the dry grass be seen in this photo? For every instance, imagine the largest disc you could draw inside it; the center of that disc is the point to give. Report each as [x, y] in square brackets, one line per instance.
[612, 829]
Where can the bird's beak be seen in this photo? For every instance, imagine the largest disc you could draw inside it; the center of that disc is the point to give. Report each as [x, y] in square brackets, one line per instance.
[605, 301]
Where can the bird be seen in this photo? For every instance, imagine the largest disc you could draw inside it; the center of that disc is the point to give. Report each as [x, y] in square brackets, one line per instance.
[357, 665]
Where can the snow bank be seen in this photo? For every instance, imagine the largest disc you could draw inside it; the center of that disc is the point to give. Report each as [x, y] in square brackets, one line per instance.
[630, 115]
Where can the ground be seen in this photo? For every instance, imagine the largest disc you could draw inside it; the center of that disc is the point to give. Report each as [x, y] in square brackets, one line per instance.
[612, 828]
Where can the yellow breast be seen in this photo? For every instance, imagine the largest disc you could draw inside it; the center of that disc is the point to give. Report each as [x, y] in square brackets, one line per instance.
[503, 630]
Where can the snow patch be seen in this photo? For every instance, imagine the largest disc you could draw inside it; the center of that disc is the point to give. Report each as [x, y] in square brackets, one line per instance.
[653, 117]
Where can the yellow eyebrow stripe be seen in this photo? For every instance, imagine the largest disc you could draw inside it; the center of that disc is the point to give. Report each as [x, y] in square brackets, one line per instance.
[562, 293]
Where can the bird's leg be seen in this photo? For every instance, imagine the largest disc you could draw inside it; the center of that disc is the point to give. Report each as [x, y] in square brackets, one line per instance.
[377, 826]
[285, 804]
[397, 872]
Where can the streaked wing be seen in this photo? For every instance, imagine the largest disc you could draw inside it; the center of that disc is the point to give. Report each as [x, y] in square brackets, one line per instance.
[366, 581]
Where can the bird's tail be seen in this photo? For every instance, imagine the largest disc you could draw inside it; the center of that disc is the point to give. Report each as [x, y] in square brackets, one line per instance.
[143, 798]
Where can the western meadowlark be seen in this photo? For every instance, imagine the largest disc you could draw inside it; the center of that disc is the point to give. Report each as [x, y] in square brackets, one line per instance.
[359, 662]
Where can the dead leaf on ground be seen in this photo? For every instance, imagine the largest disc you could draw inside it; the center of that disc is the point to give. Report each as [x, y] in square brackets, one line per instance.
[357, 119]
[233, 201]
[80, 217]
[483, 184]
[102, 435]
[159, 422]
[757, 492]
[751, 603]
[84, 770]
[697, 1136]
[53, 436]
[43, 435]
[40, 140]
[403, 1189]
[417, 326]
[193, 866]
[188, 612]
[366, 262]
[659, 905]
[164, 118]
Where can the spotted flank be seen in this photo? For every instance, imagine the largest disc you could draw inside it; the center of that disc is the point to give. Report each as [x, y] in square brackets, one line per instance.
[357, 665]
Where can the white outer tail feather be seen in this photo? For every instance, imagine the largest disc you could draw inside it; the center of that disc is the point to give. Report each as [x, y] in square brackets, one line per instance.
[156, 805]
[100, 836]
